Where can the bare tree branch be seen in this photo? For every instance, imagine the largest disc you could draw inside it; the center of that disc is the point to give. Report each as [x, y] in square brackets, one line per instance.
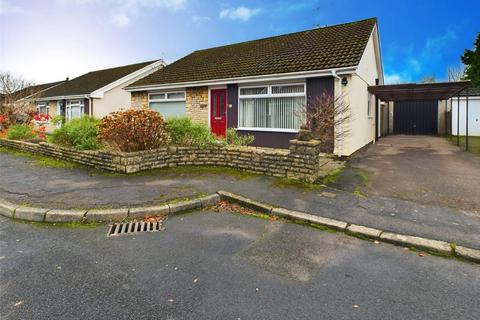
[18, 99]
[456, 73]
[328, 117]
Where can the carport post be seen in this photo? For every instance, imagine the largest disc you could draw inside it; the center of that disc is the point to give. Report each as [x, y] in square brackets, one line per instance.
[445, 116]
[466, 122]
[458, 119]
[451, 119]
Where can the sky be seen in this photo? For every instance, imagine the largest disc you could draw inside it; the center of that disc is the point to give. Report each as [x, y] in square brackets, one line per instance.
[49, 40]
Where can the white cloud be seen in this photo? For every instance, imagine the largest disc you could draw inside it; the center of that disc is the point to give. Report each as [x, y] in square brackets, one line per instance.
[200, 19]
[121, 19]
[240, 13]
[395, 78]
[409, 63]
[125, 11]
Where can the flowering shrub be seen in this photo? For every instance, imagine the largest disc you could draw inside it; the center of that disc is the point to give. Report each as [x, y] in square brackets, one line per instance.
[80, 133]
[20, 132]
[3, 122]
[41, 132]
[133, 130]
[42, 118]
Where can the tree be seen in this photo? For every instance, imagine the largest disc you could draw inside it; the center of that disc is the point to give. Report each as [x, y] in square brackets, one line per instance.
[17, 99]
[428, 79]
[327, 117]
[456, 73]
[471, 60]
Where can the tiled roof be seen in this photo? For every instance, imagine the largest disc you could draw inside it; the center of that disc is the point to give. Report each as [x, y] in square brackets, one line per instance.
[317, 49]
[89, 82]
[35, 89]
[472, 91]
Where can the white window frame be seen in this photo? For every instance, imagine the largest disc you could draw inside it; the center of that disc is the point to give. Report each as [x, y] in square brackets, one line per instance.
[166, 93]
[369, 105]
[43, 104]
[68, 106]
[269, 94]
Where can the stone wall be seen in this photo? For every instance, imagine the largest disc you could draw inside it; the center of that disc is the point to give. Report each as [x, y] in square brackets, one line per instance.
[139, 99]
[302, 161]
[196, 104]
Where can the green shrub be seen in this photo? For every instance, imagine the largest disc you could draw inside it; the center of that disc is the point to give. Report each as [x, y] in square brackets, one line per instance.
[133, 130]
[20, 132]
[80, 133]
[183, 132]
[57, 120]
[234, 139]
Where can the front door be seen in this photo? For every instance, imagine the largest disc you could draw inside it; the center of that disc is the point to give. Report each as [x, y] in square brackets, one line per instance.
[218, 115]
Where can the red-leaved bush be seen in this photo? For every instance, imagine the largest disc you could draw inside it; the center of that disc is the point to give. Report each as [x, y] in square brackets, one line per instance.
[133, 130]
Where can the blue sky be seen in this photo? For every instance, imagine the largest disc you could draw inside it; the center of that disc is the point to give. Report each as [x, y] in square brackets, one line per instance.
[50, 40]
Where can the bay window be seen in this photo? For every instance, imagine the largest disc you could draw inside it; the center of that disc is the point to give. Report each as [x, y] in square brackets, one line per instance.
[168, 104]
[74, 109]
[271, 107]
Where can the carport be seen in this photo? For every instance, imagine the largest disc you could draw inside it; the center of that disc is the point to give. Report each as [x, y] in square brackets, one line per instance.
[424, 108]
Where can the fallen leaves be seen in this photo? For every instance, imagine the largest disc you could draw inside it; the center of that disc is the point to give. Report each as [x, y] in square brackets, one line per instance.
[226, 206]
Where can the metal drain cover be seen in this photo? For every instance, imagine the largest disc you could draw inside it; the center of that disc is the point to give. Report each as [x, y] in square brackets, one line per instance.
[128, 228]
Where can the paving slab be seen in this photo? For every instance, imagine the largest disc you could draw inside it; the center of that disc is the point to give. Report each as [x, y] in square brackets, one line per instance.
[468, 253]
[405, 240]
[140, 212]
[7, 209]
[56, 215]
[30, 214]
[106, 215]
[364, 231]
[185, 205]
[305, 217]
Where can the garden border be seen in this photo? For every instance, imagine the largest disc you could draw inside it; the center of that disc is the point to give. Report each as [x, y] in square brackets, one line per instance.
[443, 248]
[302, 161]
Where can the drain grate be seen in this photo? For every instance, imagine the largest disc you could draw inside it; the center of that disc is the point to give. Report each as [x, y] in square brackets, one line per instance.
[127, 228]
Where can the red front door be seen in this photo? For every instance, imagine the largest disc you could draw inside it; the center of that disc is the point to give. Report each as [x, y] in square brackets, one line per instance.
[218, 115]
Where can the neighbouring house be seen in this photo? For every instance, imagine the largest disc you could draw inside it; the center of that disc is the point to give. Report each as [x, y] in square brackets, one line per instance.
[96, 93]
[260, 87]
[24, 99]
[473, 113]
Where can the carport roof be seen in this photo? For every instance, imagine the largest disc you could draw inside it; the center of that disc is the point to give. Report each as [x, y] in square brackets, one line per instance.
[420, 91]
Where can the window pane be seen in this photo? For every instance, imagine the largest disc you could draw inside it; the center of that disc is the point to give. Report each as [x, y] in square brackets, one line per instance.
[274, 113]
[214, 111]
[222, 104]
[288, 89]
[157, 96]
[169, 109]
[176, 95]
[248, 91]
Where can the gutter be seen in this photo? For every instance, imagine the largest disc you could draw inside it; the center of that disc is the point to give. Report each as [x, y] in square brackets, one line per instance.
[82, 96]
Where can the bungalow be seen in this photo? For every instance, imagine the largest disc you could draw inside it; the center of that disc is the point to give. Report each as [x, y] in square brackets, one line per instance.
[96, 93]
[260, 87]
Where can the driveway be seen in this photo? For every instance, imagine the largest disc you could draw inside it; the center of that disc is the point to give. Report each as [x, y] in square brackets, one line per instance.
[424, 169]
[209, 265]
